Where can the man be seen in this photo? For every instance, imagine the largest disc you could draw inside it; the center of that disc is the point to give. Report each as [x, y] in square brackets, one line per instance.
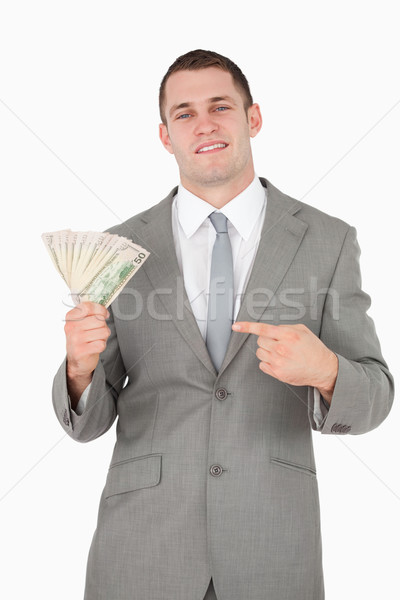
[212, 488]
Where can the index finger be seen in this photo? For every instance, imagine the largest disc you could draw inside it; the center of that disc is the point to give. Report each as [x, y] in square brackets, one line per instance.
[263, 329]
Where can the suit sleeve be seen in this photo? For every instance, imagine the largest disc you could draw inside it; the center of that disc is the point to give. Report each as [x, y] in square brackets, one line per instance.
[100, 409]
[364, 389]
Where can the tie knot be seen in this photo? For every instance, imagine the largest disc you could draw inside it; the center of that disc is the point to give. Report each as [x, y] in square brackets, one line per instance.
[220, 222]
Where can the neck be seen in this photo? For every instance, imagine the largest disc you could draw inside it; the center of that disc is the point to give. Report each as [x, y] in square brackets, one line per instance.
[219, 195]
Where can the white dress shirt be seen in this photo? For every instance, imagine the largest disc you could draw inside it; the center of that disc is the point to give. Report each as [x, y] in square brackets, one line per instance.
[194, 237]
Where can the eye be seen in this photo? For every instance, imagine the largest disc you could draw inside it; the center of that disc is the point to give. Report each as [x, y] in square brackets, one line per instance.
[222, 108]
[183, 116]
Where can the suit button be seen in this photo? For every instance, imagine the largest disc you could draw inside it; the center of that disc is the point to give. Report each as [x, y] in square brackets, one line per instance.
[216, 470]
[221, 393]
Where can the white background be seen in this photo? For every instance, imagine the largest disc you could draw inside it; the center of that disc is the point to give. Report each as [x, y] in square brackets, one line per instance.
[79, 141]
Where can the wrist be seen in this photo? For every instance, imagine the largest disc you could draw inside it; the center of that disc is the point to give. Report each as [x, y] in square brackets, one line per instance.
[76, 384]
[74, 373]
[327, 385]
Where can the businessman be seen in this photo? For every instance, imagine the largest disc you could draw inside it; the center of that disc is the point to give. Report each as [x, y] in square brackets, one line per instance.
[245, 329]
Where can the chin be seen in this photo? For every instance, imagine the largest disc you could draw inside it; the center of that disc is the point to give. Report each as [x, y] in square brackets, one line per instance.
[216, 177]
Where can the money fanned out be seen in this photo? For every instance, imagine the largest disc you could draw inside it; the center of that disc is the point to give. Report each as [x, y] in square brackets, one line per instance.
[95, 266]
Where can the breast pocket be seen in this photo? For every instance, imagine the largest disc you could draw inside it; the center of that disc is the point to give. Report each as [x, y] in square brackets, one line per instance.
[304, 308]
[133, 474]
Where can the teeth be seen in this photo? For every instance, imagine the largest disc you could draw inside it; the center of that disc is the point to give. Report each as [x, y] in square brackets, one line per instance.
[206, 148]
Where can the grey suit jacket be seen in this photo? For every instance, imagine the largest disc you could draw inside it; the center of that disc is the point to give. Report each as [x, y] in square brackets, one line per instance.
[213, 474]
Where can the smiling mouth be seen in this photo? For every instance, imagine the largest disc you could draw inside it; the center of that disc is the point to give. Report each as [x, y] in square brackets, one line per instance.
[211, 148]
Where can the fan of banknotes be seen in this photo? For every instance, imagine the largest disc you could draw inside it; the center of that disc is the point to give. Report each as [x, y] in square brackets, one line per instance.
[95, 266]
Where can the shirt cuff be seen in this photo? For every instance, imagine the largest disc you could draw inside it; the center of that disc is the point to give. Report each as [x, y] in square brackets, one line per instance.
[80, 407]
[321, 407]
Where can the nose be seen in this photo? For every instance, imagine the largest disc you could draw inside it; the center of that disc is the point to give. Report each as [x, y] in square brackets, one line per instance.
[205, 124]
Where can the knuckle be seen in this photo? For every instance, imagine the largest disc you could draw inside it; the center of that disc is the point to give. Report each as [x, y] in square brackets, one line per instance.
[82, 309]
[281, 349]
[87, 305]
[70, 325]
[70, 318]
[292, 336]
[98, 308]
[97, 346]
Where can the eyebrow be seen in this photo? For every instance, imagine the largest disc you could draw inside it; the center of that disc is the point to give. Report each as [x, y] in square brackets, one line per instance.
[212, 100]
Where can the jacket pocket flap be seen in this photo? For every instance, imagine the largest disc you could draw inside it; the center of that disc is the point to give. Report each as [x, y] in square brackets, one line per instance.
[294, 466]
[133, 474]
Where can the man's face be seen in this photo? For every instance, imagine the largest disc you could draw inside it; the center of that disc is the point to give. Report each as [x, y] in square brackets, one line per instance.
[208, 130]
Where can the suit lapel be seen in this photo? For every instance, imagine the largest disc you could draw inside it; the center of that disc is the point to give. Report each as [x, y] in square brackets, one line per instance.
[163, 271]
[280, 239]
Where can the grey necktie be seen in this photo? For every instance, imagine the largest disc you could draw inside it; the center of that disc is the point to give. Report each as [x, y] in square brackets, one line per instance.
[220, 300]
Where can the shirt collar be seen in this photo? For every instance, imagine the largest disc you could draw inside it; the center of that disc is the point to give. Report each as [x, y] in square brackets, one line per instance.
[242, 211]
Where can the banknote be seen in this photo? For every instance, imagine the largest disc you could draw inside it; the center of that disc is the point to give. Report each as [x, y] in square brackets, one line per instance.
[95, 266]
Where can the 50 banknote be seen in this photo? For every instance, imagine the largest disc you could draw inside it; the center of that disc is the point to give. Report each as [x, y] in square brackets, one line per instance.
[96, 266]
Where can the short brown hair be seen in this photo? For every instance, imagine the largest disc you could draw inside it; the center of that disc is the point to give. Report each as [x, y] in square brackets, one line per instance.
[202, 59]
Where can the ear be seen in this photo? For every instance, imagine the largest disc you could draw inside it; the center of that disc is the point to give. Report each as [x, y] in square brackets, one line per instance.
[164, 137]
[254, 119]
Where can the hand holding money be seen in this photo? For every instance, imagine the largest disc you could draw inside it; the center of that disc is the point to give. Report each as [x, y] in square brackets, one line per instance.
[86, 333]
[96, 267]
